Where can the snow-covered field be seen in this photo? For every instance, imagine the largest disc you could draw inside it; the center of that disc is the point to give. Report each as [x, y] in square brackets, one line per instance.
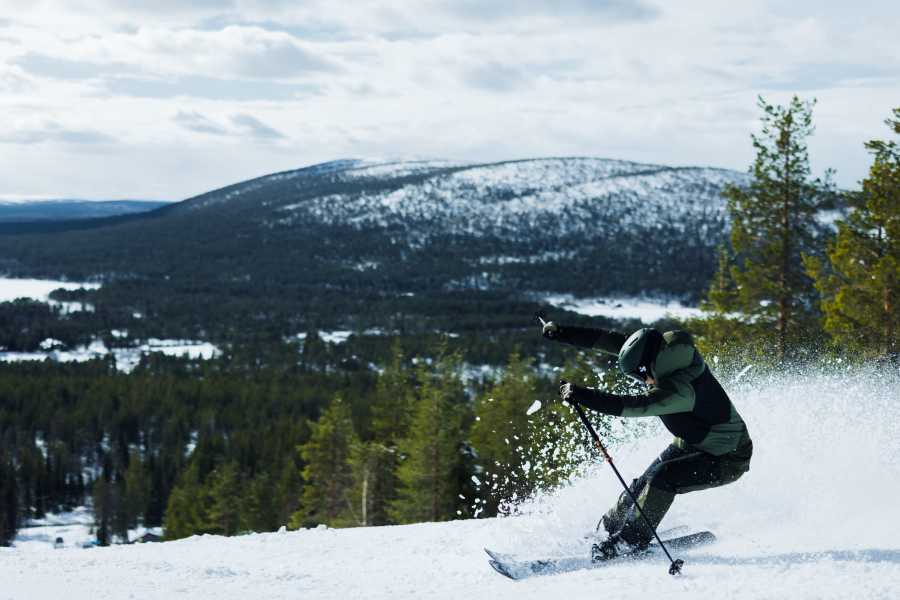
[815, 518]
[39, 289]
[127, 358]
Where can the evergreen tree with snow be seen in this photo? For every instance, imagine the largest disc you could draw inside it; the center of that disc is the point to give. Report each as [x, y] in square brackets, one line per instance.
[432, 450]
[328, 474]
[772, 226]
[860, 283]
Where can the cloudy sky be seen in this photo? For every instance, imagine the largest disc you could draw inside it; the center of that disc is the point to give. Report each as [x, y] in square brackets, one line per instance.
[168, 98]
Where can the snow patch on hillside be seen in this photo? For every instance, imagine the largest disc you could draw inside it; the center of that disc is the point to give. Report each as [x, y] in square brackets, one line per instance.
[127, 358]
[647, 310]
[37, 289]
[555, 195]
[76, 530]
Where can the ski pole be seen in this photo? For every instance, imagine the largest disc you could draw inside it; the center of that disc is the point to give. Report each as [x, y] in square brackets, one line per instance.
[675, 566]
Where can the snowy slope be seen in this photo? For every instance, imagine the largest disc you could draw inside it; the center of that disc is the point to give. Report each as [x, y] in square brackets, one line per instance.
[816, 518]
[508, 199]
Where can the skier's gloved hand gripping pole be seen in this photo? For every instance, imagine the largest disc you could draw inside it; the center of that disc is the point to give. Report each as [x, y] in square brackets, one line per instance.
[675, 564]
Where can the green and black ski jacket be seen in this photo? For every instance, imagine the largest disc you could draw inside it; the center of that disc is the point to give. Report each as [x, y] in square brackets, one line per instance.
[687, 397]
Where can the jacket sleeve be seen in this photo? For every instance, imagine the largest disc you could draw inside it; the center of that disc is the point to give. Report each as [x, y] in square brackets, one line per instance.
[609, 342]
[674, 394]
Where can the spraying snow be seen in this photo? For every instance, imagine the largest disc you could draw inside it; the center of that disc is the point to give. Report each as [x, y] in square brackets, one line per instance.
[816, 517]
[535, 406]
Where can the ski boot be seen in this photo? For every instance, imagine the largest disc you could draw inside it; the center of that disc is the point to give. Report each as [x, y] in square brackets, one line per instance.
[608, 549]
[613, 547]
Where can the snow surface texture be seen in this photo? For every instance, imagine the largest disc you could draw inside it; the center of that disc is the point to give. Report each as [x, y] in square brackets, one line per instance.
[815, 518]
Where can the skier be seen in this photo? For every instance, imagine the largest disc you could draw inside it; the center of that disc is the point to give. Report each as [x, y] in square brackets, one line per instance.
[711, 448]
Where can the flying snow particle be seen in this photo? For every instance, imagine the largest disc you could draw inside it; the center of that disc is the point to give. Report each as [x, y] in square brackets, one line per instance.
[742, 373]
[535, 406]
[475, 480]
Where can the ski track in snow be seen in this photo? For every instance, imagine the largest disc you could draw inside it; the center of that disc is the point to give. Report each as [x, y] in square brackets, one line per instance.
[815, 518]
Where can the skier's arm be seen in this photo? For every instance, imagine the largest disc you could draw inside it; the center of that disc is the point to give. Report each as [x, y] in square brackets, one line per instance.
[609, 342]
[674, 394]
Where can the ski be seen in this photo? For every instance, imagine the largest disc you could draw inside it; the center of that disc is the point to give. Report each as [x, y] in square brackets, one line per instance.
[509, 566]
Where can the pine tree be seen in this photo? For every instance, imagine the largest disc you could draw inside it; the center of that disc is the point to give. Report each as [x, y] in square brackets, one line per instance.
[431, 451]
[137, 489]
[121, 517]
[9, 500]
[102, 504]
[328, 474]
[374, 479]
[860, 285]
[287, 492]
[773, 225]
[187, 512]
[226, 492]
[375, 463]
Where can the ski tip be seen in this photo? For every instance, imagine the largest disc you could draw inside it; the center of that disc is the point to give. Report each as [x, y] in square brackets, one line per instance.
[705, 537]
[500, 569]
[490, 553]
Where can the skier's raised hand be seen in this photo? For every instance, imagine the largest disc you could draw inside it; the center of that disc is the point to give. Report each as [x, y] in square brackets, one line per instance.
[550, 330]
[568, 392]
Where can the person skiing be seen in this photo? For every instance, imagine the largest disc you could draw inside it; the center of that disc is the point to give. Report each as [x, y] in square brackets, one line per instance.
[712, 446]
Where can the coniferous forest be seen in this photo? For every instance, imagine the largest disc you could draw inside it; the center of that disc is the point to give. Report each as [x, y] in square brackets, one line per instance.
[406, 426]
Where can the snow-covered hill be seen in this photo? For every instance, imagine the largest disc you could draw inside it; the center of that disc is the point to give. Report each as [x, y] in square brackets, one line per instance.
[582, 226]
[815, 518]
[510, 199]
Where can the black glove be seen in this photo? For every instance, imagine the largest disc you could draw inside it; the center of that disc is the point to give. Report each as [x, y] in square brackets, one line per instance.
[570, 392]
[609, 404]
[550, 330]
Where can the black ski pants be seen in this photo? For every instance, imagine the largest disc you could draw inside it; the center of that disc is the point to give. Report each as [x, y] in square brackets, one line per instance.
[676, 471]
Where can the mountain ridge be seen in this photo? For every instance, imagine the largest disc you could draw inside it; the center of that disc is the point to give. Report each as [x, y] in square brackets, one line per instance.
[357, 243]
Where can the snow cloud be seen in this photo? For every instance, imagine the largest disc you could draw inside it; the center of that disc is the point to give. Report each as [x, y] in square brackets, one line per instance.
[176, 89]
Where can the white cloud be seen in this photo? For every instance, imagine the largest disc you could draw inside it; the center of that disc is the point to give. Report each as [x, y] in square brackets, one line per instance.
[169, 83]
[256, 128]
[51, 131]
[194, 121]
[232, 52]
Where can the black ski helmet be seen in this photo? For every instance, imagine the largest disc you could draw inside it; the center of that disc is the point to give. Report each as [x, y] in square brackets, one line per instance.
[639, 352]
